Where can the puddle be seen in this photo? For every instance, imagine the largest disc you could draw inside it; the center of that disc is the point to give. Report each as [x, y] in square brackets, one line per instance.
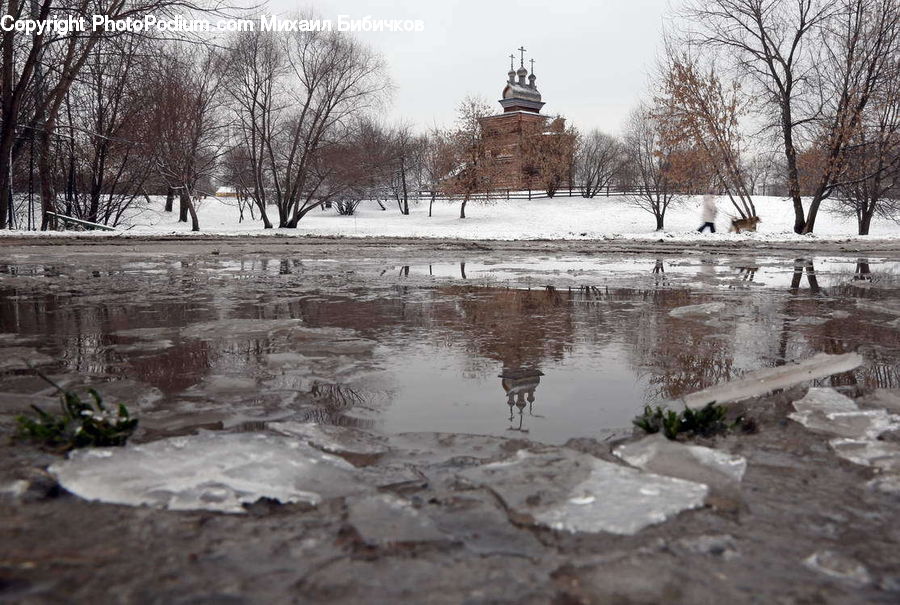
[553, 347]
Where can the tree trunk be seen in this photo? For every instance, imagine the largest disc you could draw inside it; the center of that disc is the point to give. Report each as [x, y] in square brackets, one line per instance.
[5, 184]
[47, 193]
[170, 199]
[462, 208]
[810, 223]
[187, 207]
[184, 201]
[431, 203]
[267, 224]
[405, 192]
[865, 219]
[659, 220]
[793, 178]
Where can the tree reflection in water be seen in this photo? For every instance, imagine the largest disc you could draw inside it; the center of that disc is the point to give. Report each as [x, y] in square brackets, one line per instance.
[519, 334]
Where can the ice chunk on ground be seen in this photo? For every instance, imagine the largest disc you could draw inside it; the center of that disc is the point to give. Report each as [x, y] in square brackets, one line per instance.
[884, 455]
[885, 398]
[826, 410]
[484, 528]
[215, 471]
[763, 381]
[449, 448]
[838, 566]
[359, 447]
[825, 400]
[386, 519]
[691, 462]
[852, 425]
[575, 492]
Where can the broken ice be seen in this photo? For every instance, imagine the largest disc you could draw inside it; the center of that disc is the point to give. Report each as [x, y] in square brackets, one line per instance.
[386, 519]
[826, 410]
[691, 462]
[766, 380]
[219, 472]
[838, 566]
[604, 497]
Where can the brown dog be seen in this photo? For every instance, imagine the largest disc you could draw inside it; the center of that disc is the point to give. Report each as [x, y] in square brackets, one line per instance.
[744, 224]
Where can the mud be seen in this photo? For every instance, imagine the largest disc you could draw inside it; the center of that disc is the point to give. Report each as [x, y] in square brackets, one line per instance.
[431, 368]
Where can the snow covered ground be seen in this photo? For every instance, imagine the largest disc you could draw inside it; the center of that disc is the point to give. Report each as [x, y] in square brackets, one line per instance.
[559, 218]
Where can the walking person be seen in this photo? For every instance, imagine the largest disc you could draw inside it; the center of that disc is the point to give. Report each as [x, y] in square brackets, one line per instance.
[709, 211]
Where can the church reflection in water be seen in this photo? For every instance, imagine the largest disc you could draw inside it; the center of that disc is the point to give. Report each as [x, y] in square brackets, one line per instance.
[520, 385]
[150, 324]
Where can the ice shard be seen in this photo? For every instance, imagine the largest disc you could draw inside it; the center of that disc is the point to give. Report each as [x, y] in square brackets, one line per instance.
[766, 380]
[214, 471]
[575, 492]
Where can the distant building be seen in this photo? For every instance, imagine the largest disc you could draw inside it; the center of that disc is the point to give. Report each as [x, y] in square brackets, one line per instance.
[226, 191]
[508, 136]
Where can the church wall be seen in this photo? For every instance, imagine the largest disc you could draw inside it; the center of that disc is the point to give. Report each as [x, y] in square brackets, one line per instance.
[504, 135]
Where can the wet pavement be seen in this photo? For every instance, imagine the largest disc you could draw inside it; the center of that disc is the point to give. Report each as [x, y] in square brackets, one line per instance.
[450, 426]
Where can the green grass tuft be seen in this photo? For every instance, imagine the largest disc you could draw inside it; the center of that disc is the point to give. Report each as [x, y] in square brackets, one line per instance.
[79, 424]
[704, 422]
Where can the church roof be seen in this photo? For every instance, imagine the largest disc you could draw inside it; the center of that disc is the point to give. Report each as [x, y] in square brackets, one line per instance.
[513, 90]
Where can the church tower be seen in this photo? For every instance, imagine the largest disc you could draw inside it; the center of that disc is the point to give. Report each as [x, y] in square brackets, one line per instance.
[505, 133]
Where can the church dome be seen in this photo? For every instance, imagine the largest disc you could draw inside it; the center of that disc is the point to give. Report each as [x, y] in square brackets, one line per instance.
[520, 92]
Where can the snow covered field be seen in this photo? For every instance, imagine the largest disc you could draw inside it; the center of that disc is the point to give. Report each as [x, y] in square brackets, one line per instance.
[559, 218]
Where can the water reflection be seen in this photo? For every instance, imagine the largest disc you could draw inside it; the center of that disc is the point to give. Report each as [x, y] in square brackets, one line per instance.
[520, 385]
[230, 343]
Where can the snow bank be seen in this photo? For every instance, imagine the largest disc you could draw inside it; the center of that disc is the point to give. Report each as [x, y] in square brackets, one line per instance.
[558, 218]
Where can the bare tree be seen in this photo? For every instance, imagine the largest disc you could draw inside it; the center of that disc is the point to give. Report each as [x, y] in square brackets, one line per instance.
[872, 175]
[860, 49]
[653, 162]
[548, 155]
[770, 43]
[474, 170]
[698, 108]
[598, 158]
[362, 166]
[38, 70]
[188, 124]
[437, 161]
[816, 63]
[407, 158]
[762, 170]
[237, 169]
[294, 96]
[103, 159]
[253, 81]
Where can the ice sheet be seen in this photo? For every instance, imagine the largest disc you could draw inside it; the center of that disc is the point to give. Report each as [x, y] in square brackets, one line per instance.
[219, 472]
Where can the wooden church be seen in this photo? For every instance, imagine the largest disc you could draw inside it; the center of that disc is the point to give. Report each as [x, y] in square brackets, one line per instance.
[509, 136]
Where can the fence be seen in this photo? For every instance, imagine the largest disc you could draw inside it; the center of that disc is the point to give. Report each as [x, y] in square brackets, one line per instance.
[529, 194]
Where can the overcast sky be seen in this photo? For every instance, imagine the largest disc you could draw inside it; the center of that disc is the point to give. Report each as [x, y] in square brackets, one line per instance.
[591, 56]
